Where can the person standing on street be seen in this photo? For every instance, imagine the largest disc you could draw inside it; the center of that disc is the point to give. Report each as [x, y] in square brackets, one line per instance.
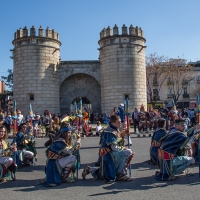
[184, 113]
[135, 119]
[164, 114]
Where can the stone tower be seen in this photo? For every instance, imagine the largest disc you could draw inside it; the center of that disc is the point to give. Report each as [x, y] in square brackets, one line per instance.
[36, 77]
[122, 66]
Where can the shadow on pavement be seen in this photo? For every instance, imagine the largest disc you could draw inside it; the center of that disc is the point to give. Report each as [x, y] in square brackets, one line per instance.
[43, 147]
[143, 183]
[147, 183]
[33, 185]
[36, 167]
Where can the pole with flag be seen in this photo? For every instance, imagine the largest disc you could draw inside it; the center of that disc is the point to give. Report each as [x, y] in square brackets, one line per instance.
[127, 113]
[78, 110]
[31, 113]
[198, 120]
[14, 118]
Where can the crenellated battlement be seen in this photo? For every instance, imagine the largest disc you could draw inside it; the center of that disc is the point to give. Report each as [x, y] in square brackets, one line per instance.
[48, 33]
[133, 31]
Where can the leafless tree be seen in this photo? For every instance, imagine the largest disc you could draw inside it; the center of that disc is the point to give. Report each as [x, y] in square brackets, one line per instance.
[156, 75]
[180, 74]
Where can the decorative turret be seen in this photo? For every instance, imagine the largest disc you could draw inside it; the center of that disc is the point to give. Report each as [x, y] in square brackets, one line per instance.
[21, 33]
[133, 31]
[41, 32]
[115, 30]
[33, 31]
[25, 31]
[124, 30]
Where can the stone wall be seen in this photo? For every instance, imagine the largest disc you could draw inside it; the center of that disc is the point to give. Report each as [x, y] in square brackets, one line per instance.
[89, 67]
[36, 60]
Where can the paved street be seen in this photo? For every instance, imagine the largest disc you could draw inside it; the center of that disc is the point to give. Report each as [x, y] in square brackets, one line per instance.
[143, 187]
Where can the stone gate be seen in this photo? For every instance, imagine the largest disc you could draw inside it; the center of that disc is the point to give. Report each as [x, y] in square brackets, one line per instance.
[80, 79]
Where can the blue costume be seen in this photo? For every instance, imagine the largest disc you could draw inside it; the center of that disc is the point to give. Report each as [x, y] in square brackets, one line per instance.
[21, 155]
[113, 159]
[192, 133]
[60, 162]
[156, 142]
[17, 155]
[121, 113]
[172, 159]
[53, 170]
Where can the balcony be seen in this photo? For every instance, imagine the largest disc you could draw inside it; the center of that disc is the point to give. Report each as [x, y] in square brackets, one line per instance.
[170, 82]
[186, 95]
[185, 82]
[155, 83]
[156, 98]
[169, 96]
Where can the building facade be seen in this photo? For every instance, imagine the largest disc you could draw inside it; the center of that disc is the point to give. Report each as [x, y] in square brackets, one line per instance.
[187, 98]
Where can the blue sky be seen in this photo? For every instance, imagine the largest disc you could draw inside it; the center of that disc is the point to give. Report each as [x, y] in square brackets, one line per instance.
[171, 27]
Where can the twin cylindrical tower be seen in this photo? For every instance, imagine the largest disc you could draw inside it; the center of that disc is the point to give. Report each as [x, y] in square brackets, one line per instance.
[36, 78]
[123, 68]
[36, 62]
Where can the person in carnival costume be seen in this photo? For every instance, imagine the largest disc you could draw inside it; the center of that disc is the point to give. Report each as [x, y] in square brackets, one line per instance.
[193, 133]
[121, 114]
[47, 121]
[152, 122]
[114, 159]
[156, 141]
[61, 158]
[21, 140]
[6, 162]
[173, 115]
[142, 115]
[19, 118]
[8, 121]
[86, 116]
[36, 122]
[164, 113]
[30, 117]
[172, 153]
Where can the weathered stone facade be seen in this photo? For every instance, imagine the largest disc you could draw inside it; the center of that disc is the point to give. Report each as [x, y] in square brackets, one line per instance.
[80, 79]
[36, 60]
[123, 68]
[39, 71]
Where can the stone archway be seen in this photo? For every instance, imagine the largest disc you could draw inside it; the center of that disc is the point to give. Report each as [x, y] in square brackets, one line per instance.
[80, 85]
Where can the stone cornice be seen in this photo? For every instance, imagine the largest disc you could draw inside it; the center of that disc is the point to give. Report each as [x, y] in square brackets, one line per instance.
[36, 37]
[122, 36]
[80, 62]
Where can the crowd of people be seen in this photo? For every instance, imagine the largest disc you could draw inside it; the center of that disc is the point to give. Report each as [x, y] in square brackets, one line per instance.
[146, 121]
[173, 145]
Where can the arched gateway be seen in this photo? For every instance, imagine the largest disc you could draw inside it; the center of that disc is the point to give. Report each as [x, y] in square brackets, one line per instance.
[80, 85]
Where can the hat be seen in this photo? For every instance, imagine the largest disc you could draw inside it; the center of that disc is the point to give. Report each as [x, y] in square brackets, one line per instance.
[66, 129]
[142, 106]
